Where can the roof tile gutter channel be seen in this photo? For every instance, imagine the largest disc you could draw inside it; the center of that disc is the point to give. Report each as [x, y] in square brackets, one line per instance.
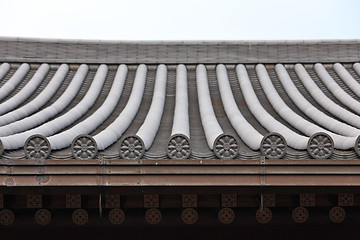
[209, 122]
[65, 138]
[245, 130]
[49, 128]
[40, 100]
[26, 91]
[181, 123]
[115, 130]
[58, 106]
[293, 139]
[4, 69]
[149, 128]
[15, 79]
[293, 118]
[323, 100]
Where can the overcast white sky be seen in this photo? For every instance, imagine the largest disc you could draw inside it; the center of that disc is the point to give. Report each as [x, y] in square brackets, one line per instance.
[181, 20]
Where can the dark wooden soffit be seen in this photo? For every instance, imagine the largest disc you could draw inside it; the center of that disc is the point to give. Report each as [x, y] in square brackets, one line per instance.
[188, 173]
[187, 52]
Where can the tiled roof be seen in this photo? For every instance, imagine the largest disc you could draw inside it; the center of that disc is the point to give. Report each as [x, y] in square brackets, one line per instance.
[76, 98]
[64, 110]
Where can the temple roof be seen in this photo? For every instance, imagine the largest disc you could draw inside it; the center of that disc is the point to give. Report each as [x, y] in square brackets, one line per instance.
[179, 125]
[279, 108]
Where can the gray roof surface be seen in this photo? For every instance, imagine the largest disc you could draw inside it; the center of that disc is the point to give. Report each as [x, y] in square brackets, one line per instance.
[189, 52]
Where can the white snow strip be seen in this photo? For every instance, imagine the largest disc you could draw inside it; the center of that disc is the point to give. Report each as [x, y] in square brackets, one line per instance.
[181, 123]
[115, 130]
[244, 129]
[292, 138]
[149, 128]
[49, 128]
[26, 91]
[58, 106]
[347, 78]
[4, 69]
[209, 122]
[309, 110]
[39, 100]
[65, 138]
[323, 100]
[12, 83]
[293, 118]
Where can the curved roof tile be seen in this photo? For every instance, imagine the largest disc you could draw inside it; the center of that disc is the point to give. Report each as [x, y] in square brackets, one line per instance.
[198, 110]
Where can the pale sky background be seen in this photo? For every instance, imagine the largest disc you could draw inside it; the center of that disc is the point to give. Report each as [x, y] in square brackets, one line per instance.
[181, 20]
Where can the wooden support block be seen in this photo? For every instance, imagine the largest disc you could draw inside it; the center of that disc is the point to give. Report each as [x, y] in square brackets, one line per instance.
[34, 201]
[228, 200]
[73, 201]
[112, 201]
[151, 201]
[189, 200]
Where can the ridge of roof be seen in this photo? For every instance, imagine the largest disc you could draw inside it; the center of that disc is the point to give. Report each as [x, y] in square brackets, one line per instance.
[177, 52]
[182, 42]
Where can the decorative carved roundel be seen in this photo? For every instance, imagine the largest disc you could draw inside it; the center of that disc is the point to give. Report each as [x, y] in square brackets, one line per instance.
[273, 146]
[226, 147]
[43, 217]
[37, 147]
[356, 147]
[226, 215]
[189, 216]
[1, 148]
[337, 214]
[320, 145]
[84, 147]
[179, 147]
[153, 216]
[263, 216]
[116, 216]
[80, 216]
[7, 217]
[132, 147]
[300, 215]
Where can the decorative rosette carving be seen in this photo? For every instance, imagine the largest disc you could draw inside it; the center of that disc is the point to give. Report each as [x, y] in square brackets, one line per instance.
[226, 215]
[320, 145]
[263, 216]
[273, 146]
[189, 216]
[116, 216]
[337, 214]
[43, 217]
[80, 216]
[37, 147]
[179, 147]
[84, 147]
[153, 216]
[226, 147]
[7, 217]
[300, 215]
[132, 147]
